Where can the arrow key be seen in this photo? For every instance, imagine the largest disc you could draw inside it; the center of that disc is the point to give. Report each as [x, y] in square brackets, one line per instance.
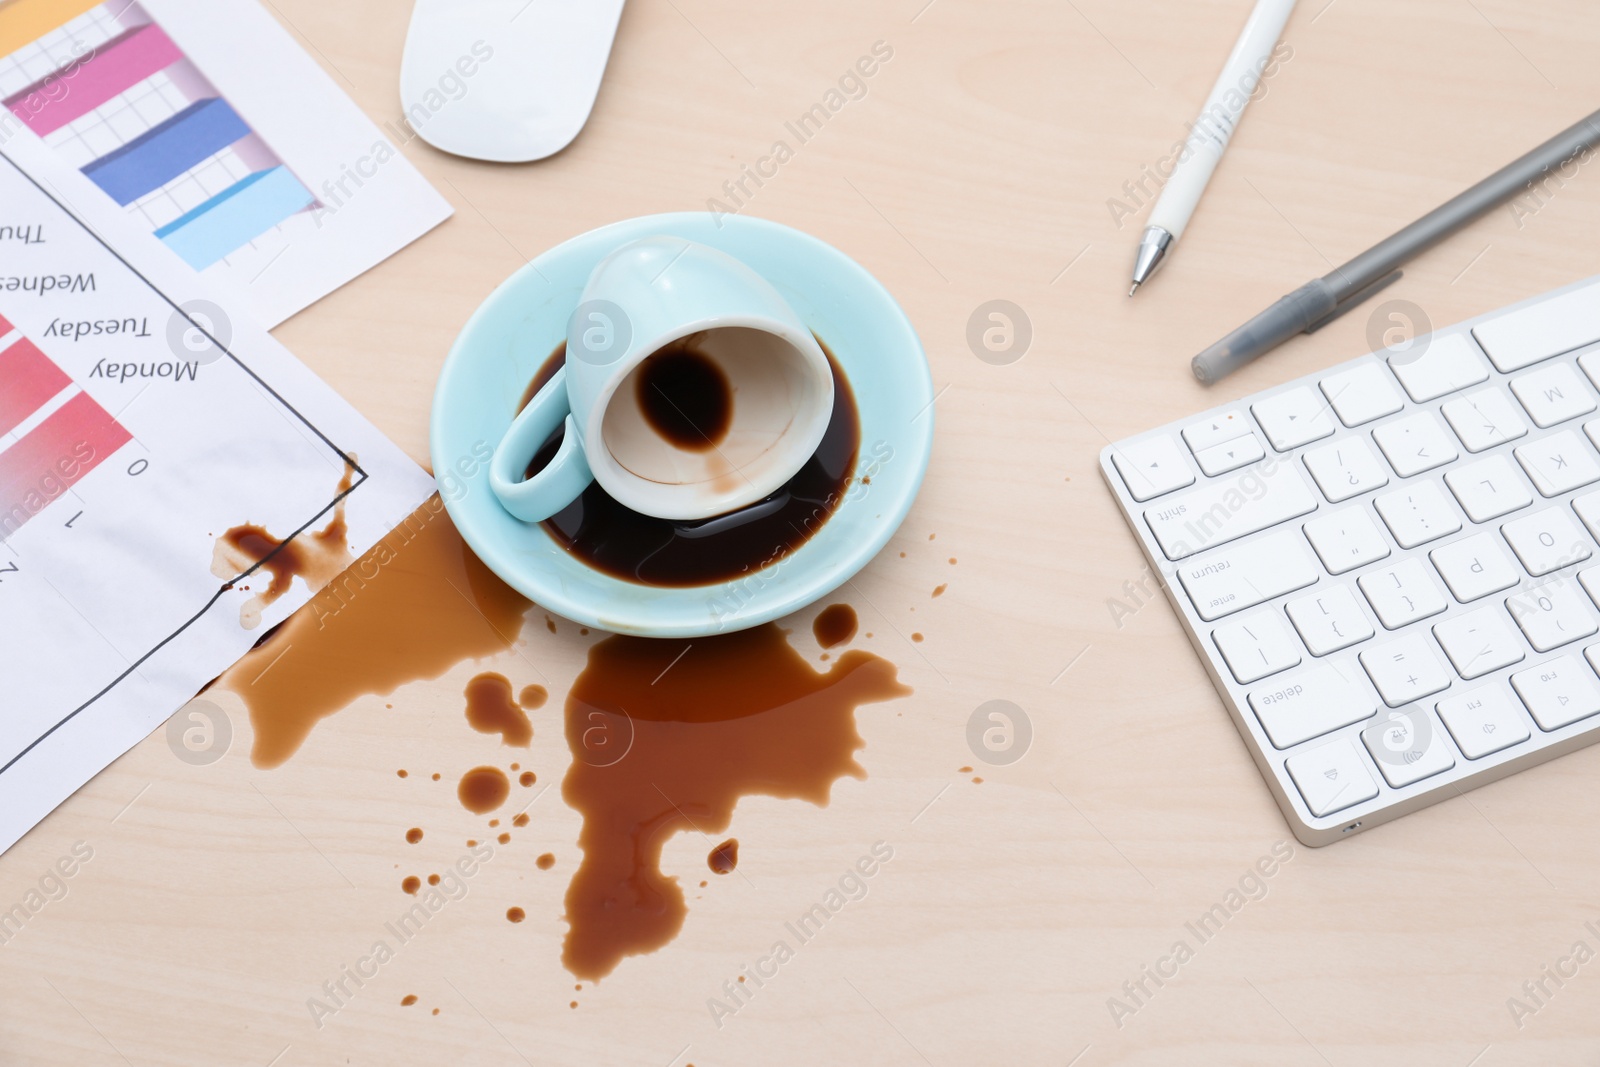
[1230, 455]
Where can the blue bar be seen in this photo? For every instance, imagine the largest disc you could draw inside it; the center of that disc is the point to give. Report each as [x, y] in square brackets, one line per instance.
[235, 216]
[163, 152]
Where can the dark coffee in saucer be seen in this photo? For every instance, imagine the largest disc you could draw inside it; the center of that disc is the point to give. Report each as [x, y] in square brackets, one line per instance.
[675, 553]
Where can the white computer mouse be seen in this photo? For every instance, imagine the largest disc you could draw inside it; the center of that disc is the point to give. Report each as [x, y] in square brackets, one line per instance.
[504, 80]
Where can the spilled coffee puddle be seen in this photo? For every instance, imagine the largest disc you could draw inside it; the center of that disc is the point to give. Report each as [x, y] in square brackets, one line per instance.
[667, 737]
[315, 558]
[412, 607]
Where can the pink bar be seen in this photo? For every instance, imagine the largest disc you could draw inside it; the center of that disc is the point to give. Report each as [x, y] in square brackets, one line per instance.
[5, 327]
[27, 379]
[86, 83]
[61, 450]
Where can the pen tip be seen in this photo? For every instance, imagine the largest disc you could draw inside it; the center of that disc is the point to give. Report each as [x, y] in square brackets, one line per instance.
[1133, 289]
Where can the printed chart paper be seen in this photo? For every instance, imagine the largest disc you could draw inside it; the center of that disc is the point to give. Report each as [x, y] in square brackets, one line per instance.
[210, 127]
[126, 449]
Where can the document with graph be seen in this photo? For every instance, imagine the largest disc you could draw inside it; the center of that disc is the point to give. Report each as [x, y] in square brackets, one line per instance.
[136, 438]
[208, 125]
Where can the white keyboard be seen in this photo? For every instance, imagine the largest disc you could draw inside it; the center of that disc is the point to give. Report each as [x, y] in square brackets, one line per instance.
[1392, 569]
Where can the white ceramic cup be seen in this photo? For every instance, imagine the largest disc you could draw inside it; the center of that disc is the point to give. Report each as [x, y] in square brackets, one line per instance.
[653, 300]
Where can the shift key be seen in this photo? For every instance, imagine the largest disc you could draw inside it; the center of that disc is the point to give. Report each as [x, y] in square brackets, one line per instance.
[1232, 579]
[1226, 509]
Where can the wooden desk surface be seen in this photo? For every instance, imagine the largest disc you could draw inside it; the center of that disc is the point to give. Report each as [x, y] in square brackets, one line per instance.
[977, 166]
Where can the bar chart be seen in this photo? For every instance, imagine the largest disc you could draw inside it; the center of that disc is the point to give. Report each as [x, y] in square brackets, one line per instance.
[51, 433]
[106, 86]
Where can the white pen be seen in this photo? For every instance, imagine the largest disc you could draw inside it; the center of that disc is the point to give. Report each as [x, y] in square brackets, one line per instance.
[1255, 51]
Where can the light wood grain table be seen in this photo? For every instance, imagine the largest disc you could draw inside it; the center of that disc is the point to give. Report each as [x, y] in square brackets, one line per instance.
[979, 164]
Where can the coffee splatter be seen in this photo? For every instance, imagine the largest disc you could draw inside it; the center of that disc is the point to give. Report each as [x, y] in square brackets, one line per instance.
[516, 915]
[725, 857]
[410, 609]
[527, 779]
[411, 884]
[414, 835]
[545, 861]
[313, 557]
[490, 710]
[737, 715]
[834, 625]
[532, 697]
[483, 789]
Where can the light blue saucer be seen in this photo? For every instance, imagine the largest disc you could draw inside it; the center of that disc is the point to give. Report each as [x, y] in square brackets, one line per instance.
[516, 329]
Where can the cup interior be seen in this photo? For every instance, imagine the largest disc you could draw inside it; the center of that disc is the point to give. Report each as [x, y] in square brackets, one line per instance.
[730, 410]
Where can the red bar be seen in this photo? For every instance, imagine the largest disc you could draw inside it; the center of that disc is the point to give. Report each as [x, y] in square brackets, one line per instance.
[61, 450]
[84, 84]
[27, 379]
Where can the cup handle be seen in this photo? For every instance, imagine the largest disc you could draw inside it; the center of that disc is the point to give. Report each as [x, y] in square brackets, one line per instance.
[563, 478]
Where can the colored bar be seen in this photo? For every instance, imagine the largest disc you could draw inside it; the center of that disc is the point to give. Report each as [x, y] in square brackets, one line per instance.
[60, 451]
[235, 216]
[163, 152]
[25, 21]
[84, 84]
[27, 379]
[5, 327]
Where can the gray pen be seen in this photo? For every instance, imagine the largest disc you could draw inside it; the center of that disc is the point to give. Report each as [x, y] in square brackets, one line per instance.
[1319, 302]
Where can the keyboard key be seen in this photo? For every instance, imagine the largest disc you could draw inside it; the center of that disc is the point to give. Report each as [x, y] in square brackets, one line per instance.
[1152, 467]
[1489, 488]
[1546, 540]
[1553, 394]
[1329, 619]
[1229, 508]
[1552, 613]
[1483, 721]
[1346, 539]
[1407, 747]
[1552, 326]
[1331, 778]
[1479, 642]
[1588, 509]
[1405, 669]
[1484, 419]
[1415, 444]
[1402, 593]
[1589, 363]
[1475, 566]
[1312, 702]
[1230, 455]
[1256, 646]
[1345, 469]
[1417, 514]
[1208, 433]
[1294, 418]
[1559, 462]
[1590, 580]
[1558, 693]
[1231, 579]
[1448, 365]
[1362, 394]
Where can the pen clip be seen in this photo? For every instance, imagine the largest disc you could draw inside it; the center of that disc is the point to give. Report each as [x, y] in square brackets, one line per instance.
[1353, 299]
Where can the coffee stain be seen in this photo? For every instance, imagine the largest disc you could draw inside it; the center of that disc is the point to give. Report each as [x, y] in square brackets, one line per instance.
[725, 857]
[490, 710]
[314, 557]
[532, 697]
[545, 861]
[411, 884]
[938, 590]
[483, 789]
[515, 915]
[658, 750]
[415, 605]
[834, 625]
[414, 835]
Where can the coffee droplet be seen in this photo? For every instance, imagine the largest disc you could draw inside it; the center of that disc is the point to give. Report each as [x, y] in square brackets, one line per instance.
[516, 915]
[490, 710]
[725, 857]
[685, 397]
[532, 697]
[834, 625]
[408, 1000]
[483, 789]
[414, 835]
[546, 861]
[411, 884]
